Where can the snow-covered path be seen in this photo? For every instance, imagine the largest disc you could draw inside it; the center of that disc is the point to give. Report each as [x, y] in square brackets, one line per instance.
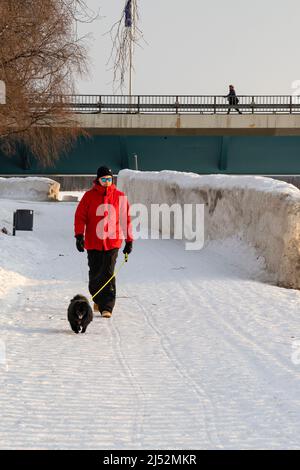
[196, 355]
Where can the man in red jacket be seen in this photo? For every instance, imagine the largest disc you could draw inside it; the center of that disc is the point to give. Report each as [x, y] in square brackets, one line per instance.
[102, 222]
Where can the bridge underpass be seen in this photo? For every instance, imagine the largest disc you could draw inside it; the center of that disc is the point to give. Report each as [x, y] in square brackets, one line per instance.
[198, 137]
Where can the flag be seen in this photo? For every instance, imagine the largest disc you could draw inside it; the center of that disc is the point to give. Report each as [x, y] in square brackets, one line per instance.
[128, 14]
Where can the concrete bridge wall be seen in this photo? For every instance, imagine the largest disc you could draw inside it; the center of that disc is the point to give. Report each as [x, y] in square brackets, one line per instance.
[193, 124]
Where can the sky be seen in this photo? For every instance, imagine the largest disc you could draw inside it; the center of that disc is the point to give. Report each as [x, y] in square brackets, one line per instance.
[200, 47]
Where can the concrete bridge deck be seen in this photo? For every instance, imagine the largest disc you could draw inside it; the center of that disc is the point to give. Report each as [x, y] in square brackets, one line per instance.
[191, 125]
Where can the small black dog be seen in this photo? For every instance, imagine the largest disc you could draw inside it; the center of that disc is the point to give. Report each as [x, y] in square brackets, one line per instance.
[80, 313]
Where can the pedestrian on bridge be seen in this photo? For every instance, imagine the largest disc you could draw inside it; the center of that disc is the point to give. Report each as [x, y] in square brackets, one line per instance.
[232, 99]
[102, 222]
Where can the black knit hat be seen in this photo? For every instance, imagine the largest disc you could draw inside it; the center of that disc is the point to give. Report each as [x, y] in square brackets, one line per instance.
[103, 171]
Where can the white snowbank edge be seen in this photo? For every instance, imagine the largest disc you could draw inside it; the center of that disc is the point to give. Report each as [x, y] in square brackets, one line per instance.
[31, 188]
[263, 212]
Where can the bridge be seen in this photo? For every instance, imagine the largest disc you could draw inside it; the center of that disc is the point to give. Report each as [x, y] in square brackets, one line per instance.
[178, 132]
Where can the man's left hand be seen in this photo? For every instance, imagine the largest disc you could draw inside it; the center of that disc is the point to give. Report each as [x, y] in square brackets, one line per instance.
[127, 248]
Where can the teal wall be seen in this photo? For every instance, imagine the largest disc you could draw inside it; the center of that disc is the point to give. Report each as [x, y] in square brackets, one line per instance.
[202, 154]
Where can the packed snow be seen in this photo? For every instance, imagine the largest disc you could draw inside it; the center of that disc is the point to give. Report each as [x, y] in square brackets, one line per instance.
[31, 188]
[193, 181]
[263, 212]
[198, 353]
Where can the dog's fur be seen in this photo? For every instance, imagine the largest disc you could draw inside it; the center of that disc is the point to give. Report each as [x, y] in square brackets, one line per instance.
[80, 313]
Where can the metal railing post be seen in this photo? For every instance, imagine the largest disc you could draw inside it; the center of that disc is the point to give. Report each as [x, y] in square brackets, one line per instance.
[215, 105]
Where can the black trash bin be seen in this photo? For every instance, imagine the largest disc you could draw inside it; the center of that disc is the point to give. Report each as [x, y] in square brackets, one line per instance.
[23, 220]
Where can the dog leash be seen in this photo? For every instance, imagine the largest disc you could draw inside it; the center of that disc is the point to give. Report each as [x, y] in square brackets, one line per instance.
[114, 274]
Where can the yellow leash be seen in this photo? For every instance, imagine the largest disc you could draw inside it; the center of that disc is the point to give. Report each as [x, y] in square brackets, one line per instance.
[114, 274]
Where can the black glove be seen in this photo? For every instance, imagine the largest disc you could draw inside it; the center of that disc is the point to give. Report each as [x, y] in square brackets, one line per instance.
[127, 248]
[80, 242]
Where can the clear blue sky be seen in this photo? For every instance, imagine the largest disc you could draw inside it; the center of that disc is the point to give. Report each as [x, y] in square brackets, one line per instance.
[199, 47]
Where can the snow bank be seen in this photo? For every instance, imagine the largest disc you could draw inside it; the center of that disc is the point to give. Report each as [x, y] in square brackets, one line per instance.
[29, 188]
[263, 212]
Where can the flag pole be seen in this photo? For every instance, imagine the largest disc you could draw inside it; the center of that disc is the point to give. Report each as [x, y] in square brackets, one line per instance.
[130, 66]
[129, 23]
[131, 49]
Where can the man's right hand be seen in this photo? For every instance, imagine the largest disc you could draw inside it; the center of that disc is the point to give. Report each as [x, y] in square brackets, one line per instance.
[80, 242]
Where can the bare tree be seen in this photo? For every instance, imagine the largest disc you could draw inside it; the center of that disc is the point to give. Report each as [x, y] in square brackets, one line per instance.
[41, 56]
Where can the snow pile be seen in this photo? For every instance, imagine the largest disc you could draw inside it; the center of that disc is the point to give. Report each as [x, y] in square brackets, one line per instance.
[263, 212]
[29, 188]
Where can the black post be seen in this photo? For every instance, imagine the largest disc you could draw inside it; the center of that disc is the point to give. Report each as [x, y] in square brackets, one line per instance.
[14, 224]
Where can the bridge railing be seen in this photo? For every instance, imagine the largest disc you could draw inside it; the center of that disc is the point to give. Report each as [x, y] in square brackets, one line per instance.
[181, 104]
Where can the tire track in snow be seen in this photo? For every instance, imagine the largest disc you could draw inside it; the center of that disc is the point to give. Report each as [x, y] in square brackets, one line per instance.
[139, 393]
[242, 332]
[210, 426]
[238, 342]
[199, 391]
[240, 335]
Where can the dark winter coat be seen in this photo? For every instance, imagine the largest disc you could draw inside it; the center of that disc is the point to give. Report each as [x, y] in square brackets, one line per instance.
[232, 98]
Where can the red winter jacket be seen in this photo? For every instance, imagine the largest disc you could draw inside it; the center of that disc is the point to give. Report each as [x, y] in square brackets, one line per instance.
[102, 216]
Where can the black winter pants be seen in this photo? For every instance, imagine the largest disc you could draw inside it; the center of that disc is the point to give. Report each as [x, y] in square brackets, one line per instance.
[233, 102]
[102, 266]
